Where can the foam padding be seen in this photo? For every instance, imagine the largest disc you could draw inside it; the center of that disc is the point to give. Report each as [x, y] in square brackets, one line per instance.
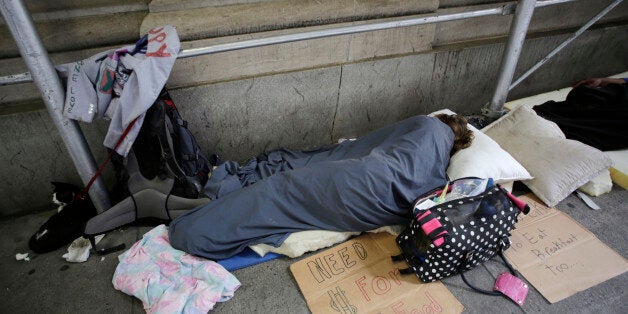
[619, 170]
[620, 178]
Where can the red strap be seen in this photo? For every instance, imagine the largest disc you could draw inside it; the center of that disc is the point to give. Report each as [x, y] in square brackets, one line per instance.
[519, 203]
[170, 103]
[81, 195]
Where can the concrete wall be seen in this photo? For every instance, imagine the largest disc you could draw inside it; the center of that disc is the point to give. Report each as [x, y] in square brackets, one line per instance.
[309, 108]
[310, 93]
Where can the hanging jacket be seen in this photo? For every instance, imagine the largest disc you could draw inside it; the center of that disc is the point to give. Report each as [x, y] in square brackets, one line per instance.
[120, 84]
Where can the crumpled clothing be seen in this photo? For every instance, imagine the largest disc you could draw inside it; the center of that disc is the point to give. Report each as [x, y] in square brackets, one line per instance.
[121, 84]
[167, 280]
[230, 176]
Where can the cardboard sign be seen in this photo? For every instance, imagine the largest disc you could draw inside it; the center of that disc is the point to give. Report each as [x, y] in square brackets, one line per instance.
[359, 276]
[557, 255]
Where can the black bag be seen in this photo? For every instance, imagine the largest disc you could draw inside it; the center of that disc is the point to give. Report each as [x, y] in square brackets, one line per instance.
[456, 235]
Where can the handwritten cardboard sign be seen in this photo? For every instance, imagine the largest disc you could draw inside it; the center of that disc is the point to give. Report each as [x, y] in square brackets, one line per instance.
[557, 255]
[359, 276]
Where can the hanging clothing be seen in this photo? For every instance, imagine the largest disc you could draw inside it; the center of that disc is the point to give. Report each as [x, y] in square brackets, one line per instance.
[121, 84]
[170, 281]
[356, 185]
[596, 116]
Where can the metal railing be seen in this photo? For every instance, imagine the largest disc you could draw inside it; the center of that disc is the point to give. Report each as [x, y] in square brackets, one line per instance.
[42, 71]
[45, 77]
[281, 39]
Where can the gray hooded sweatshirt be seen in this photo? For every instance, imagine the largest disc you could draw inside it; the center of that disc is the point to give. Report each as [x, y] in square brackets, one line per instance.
[121, 84]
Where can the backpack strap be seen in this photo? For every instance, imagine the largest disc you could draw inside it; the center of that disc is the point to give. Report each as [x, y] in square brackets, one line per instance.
[167, 146]
[432, 227]
[184, 124]
[525, 208]
[80, 196]
[92, 240]
[397, 258]
[406, 271]
[500, 252]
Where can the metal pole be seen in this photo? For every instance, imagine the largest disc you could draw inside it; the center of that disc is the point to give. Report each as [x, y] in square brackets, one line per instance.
[565, 43]
[502, 10]
[543, 3]
[20, 24]
[517, 36]
[340, 31]
[16, 79]
[186, 53]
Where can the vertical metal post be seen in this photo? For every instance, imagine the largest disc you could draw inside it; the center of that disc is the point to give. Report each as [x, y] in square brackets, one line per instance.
[21, 26]
[516, 38]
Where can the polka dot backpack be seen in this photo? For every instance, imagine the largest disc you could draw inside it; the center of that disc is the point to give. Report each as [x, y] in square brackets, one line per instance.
[458, 227]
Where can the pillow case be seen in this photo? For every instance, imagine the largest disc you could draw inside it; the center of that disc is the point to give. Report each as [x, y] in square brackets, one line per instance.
[484, 159]
[559, 166]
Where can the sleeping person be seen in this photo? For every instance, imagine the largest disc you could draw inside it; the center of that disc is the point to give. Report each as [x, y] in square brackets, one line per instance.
[356, 185]
[595, 113]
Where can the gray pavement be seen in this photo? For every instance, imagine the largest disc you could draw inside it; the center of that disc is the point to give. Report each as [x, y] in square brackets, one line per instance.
[48, 284]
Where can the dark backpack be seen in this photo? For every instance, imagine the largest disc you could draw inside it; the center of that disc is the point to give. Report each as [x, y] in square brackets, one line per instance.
[162, 177]
[165, 147]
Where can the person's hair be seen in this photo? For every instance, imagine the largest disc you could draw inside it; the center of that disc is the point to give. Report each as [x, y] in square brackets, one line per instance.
[462, 135]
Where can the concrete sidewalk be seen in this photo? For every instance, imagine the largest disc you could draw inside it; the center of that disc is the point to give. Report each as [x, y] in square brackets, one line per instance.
[48, 284]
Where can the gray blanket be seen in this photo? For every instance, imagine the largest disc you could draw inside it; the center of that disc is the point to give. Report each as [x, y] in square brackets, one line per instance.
[356, 185]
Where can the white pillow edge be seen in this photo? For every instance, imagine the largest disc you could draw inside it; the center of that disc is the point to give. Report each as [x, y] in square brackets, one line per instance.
[571, 188]
[293, 246]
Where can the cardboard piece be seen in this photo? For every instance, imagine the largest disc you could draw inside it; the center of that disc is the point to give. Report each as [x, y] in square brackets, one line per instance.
[557, 255]
[359, 276]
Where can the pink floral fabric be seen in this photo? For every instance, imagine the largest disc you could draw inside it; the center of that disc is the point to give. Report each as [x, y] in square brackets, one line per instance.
[167, 280]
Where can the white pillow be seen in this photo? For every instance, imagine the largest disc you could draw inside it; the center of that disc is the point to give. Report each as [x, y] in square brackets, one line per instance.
[484, 159]
[559, 165]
